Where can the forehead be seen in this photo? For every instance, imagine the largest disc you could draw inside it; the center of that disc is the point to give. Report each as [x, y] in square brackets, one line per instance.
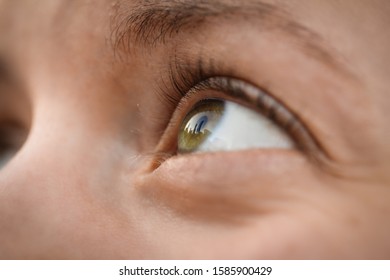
[34, 36]
[66, 14]
[30, 30]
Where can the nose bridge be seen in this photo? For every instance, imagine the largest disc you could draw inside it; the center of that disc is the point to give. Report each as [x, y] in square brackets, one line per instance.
[48, 188]
[67, 171]
[34, 191]
[44, 203]
[58, 190]
[58, 180]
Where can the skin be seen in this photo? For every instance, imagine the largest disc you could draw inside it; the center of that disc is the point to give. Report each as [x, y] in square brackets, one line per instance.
[86, 183]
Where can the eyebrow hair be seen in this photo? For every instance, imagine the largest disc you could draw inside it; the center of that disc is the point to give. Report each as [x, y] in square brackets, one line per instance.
[151, 22]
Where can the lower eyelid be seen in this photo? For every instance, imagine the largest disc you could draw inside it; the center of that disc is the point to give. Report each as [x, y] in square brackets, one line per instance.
[198, 182]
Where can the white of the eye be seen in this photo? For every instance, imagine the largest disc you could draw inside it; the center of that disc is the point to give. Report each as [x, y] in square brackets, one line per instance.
[241, 128]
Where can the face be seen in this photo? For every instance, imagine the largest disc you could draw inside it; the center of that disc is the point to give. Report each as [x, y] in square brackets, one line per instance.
[189, 129]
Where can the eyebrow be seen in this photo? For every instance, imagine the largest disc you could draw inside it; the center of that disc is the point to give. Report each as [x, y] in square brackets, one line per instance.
[148, 23]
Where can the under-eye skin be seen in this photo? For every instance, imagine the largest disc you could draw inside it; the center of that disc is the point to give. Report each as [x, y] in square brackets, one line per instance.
[226, 114]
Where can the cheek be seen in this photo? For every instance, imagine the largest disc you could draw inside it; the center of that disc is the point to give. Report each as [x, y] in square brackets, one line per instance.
[248, 205]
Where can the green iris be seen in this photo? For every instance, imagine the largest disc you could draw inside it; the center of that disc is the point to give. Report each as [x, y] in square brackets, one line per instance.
[199, 124]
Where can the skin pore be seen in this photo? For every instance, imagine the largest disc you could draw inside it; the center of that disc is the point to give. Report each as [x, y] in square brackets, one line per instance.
[95, 88]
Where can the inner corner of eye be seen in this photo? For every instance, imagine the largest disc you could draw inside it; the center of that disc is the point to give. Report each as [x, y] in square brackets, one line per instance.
[221, 125]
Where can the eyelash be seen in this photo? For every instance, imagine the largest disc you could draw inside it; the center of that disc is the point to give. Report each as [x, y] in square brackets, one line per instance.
[186, 80]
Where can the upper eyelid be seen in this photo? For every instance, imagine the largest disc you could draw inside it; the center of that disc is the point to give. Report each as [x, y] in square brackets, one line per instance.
[201, 74]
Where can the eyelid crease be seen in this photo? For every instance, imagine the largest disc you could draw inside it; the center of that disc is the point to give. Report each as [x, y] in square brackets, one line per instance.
[147, 24]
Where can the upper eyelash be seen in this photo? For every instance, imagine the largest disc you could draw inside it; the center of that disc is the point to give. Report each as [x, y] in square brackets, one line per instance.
[186, 76]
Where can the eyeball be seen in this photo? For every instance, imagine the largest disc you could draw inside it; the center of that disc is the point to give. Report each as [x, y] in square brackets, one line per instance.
[220, 125]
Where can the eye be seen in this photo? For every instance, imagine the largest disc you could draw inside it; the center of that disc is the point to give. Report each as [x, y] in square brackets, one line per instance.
[220, 125]
[220, 113]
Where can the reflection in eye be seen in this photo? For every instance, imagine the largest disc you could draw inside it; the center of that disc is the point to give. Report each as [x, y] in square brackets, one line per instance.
[218, 125]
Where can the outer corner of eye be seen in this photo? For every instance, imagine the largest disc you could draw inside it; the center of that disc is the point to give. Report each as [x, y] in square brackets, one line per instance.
[220, 125]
